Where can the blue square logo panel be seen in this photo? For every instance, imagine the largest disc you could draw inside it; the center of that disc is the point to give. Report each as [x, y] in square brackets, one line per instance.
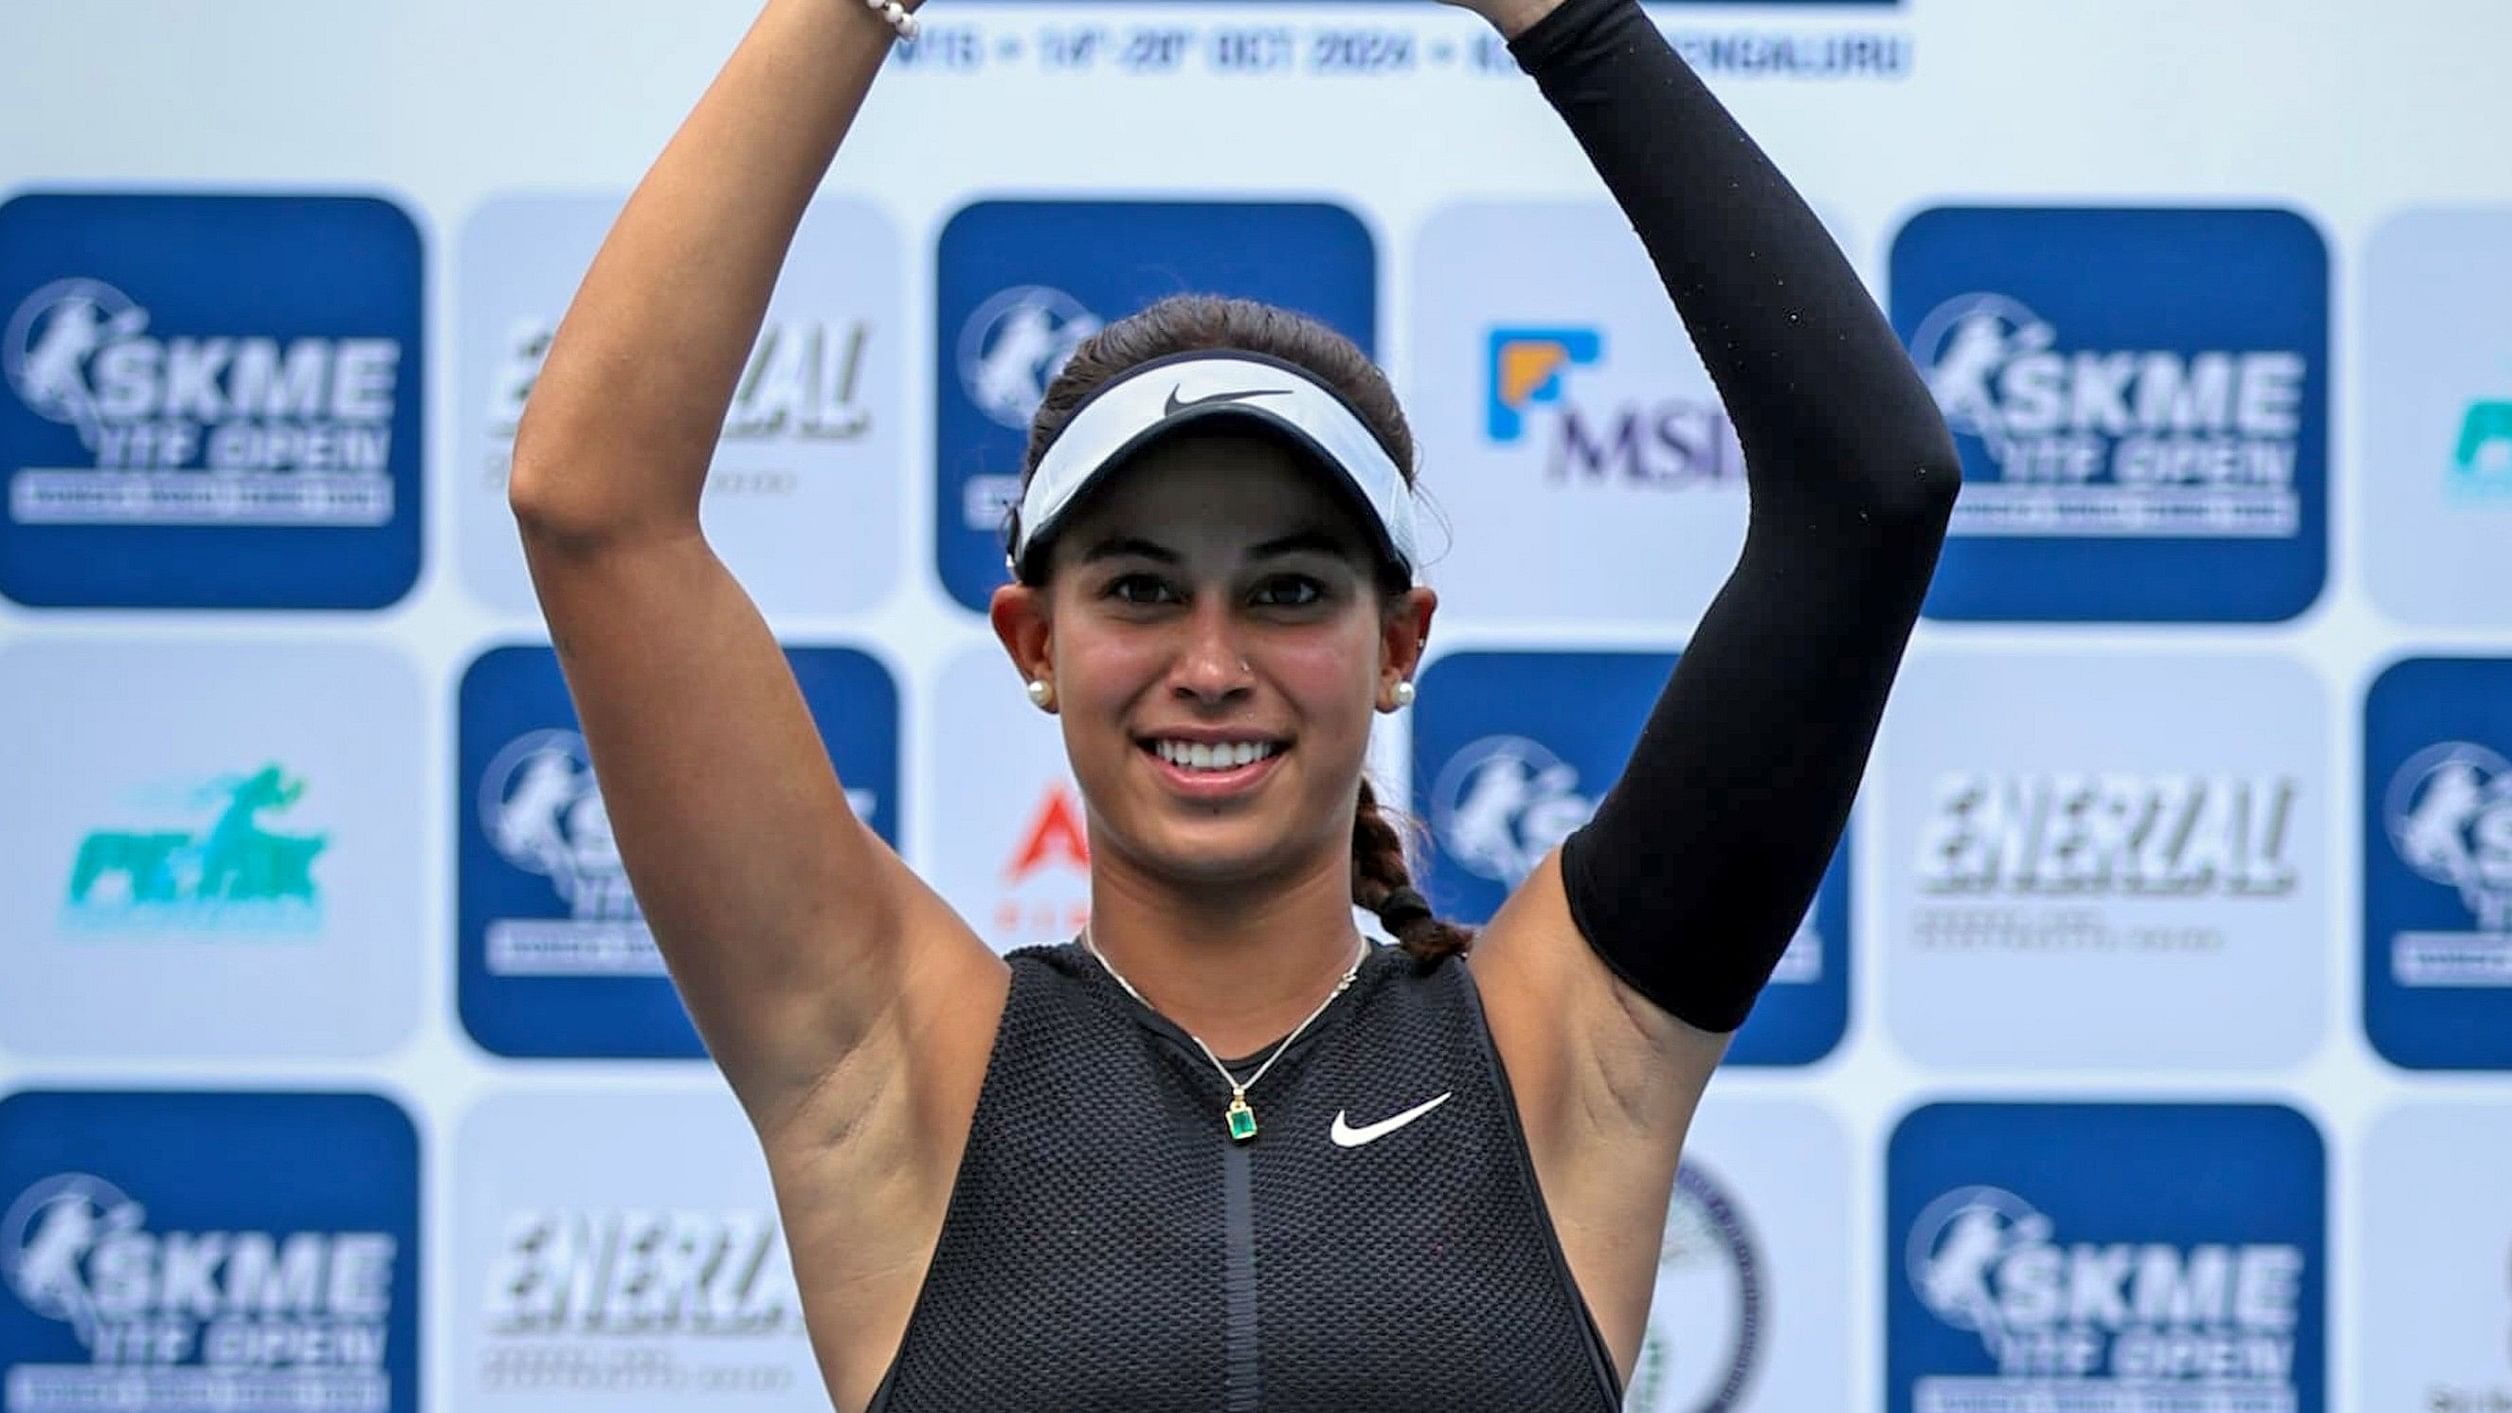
[2141, 399]
[211, 401]
[2437, 836]
[173, 1252]
[2105, 1256]
[1512, 751]
[555, 957]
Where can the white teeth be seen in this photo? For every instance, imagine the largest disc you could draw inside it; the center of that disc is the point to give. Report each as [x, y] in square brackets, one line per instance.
[1203, 756]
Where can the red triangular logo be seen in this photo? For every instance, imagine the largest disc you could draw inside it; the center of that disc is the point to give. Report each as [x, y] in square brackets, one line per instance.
[1054, 836]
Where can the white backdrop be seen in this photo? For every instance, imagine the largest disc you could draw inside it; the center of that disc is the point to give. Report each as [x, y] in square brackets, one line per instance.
[1872, 1224]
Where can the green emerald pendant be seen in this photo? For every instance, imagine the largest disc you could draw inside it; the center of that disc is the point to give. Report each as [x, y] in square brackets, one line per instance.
[1242, 1119]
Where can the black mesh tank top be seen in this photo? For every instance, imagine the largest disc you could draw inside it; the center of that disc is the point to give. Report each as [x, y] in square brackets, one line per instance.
[1109, 1249]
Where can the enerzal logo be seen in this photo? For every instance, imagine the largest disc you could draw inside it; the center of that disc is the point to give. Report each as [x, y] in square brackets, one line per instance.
[1010, 348]
[803, 380]
[1670, 443]
[198, 429]
[2103, 1327]
[2449, 815]
[1504, 802]
[194, 1319]
[1708, 1318]
[2481, 457]
[2114, 441]
[2070, 834]
[588, 1293]
[235, 872]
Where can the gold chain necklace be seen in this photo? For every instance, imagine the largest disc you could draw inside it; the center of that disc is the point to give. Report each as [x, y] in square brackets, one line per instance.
[1238, 1119]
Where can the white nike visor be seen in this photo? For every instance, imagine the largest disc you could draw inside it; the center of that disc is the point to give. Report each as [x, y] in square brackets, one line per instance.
[1159, 397]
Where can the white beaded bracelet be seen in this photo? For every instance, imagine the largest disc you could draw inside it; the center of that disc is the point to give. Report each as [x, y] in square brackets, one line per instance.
[897, 15]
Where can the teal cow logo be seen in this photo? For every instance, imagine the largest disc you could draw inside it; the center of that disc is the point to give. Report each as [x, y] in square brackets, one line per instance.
[234, 874]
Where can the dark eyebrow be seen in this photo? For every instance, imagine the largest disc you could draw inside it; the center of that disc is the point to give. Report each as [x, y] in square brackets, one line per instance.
[1300, 542]
[1297, 542]
[1122, 546]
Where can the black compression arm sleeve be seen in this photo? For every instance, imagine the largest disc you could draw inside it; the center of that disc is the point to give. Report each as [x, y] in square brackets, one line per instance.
[1702, 859]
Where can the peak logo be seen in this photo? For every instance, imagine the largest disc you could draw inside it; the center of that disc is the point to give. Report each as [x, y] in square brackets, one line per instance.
[2083, 1270]
[215, 1267]
[2438, 863]
[235, 875]
[188, 376]
[1666, 443]
[2140, 400]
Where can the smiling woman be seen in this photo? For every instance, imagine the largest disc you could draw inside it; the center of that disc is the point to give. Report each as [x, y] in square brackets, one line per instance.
[1219, 1151]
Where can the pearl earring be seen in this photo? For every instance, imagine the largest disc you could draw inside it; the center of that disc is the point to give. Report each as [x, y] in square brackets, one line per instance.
[1404, 695]
[1041, 695]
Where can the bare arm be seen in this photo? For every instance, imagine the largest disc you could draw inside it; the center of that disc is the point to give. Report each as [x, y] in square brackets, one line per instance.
[796, 937]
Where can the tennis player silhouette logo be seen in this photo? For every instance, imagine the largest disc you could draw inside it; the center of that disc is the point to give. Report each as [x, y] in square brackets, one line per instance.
[53, 339]
[1014, 344]
[1963, 347]
[1504, 802]
[2449, 815]
[1956, 1247]
[543, 812]
[46, 1238]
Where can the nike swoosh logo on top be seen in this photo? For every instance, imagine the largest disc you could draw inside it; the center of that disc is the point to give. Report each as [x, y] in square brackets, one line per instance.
[1175, 406]
[1346, 1136]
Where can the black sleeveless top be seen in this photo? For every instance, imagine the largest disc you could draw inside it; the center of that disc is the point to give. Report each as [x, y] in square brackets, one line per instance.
[1108, 1247]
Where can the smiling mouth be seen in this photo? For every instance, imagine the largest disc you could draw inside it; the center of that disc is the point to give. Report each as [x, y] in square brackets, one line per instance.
[1215, 757]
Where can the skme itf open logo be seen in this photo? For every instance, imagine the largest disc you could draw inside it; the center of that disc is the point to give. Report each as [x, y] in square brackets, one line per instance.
[2049, 1256]
[1512, 752]
[2438, 863]
[2141, 402]
[556, 959]
[212, 401]
[167, 1253]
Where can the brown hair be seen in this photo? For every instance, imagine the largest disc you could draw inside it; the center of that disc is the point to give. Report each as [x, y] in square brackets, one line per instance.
[1186, 323]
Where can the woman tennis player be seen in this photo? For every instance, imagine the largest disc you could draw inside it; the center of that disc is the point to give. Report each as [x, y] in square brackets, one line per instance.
[1219, 1152]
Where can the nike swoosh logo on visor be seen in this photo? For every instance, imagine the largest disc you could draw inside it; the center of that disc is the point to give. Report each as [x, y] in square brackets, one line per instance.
[1346, 1136]
[1176, 406]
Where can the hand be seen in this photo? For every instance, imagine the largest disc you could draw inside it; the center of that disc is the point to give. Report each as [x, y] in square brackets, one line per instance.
[1511, 17]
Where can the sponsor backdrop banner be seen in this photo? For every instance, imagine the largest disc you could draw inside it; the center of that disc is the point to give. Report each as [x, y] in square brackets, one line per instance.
[2146, 1049]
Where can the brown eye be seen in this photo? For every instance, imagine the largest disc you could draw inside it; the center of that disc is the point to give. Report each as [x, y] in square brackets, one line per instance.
[1139, 589]
[1290, 591]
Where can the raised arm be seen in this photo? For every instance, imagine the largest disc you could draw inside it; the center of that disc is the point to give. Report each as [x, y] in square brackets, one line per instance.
[797, 939]
[1613, 976]
[1701, 860]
